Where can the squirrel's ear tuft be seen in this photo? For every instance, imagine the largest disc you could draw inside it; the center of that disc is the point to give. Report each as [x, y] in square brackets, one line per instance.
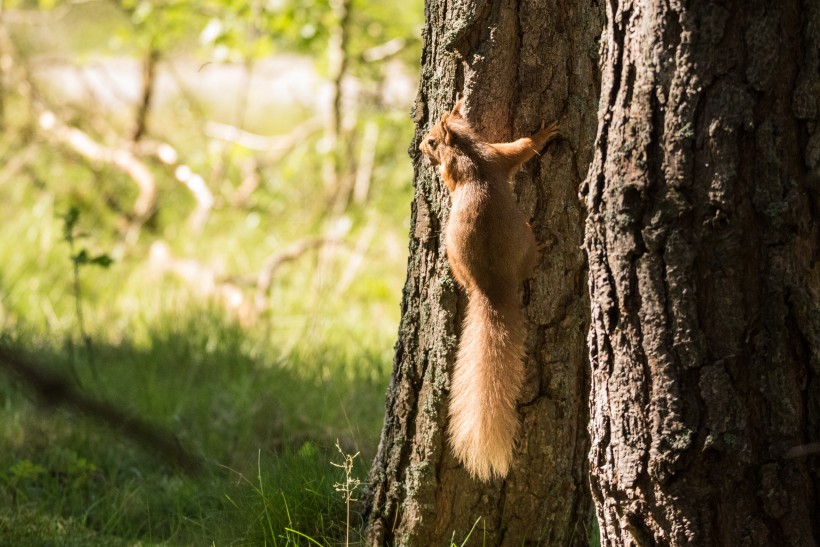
[456, 112]
[445, 130]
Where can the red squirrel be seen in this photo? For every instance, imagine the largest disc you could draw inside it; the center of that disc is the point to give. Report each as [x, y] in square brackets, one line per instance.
[491, 251]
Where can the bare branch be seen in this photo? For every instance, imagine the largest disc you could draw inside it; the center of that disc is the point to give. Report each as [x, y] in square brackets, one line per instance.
[168, 155]
[262, 143]
[384, 51]
[276, 148]
[367, 160]
[231, 291]
[250, 182]
[204, 198]
[203, 278]
[289, 254]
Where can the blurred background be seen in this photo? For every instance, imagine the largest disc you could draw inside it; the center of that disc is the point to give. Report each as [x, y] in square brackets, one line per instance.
[205, 209]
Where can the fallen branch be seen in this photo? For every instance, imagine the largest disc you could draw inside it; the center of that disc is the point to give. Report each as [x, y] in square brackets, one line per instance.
[54, 390]
[289, 254]
[231, 290]
[250, 182]
[204, 198]
[202, 278]
[168, 155]
[120, 158]
[276, 146]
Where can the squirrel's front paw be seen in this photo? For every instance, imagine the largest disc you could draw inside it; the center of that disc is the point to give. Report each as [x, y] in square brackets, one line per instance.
[545, 134]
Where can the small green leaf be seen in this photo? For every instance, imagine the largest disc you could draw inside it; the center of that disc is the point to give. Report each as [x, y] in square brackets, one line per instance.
[81, 257]
[102, 260]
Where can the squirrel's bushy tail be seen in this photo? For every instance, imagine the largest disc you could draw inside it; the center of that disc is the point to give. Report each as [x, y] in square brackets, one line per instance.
[487, 379]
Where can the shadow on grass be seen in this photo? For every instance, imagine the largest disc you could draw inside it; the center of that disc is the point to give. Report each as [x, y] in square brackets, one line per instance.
[263, 423]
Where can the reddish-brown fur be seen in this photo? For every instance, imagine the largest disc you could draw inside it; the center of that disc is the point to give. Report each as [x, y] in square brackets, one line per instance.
[491, 250]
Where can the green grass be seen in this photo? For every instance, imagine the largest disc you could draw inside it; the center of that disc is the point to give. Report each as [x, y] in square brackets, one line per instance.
[264, 423]
[262, 403]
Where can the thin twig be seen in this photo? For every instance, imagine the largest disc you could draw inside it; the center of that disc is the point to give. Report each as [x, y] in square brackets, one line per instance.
[290, 253]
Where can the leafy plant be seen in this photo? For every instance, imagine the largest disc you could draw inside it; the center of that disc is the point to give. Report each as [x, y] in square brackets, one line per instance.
[81, 258]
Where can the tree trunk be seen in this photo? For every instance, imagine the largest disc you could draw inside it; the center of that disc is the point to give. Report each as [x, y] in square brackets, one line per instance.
[702, 241]
[149, 70]
[338, 46]
[517, 64]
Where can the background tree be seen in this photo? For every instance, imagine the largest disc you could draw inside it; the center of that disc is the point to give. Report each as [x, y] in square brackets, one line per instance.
[517, 64]
[702, 241]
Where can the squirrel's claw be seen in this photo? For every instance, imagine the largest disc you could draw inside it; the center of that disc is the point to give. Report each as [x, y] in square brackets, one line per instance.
[545, 134]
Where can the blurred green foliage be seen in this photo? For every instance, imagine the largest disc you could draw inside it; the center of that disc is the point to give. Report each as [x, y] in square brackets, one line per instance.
[261, 391]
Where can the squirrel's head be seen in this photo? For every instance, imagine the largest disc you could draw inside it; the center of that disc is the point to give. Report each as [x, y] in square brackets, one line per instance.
[436, 143]
[453, 147]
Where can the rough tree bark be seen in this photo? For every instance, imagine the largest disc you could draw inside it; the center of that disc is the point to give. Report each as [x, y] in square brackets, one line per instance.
[702, 241]
[517, 63]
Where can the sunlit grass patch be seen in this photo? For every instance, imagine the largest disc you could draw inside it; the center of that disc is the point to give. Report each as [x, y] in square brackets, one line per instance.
[264, 424]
